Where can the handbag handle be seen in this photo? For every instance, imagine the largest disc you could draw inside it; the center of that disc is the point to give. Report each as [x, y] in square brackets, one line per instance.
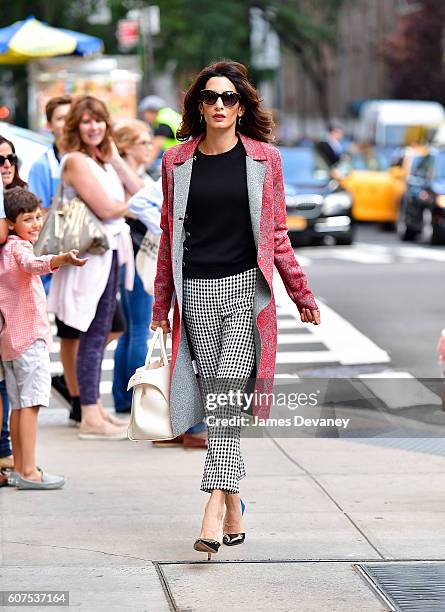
[159, 334]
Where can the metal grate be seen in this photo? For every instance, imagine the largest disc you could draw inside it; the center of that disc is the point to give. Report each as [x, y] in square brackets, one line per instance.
[414, 587]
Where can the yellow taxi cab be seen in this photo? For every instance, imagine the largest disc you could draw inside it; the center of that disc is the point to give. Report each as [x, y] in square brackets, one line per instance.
[376, 186]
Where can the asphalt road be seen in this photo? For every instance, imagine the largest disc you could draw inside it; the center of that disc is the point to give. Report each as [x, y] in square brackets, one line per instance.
[392, 292]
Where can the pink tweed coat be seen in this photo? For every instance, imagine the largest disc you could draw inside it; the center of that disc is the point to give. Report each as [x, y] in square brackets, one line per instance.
[268, 215]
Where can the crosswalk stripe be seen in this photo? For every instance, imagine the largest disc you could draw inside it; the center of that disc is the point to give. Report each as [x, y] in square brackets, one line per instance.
[364, 257]
[421, 253]
[344, 342]
[364, 253]
[295, 339]
[399, 395]
[300, 357]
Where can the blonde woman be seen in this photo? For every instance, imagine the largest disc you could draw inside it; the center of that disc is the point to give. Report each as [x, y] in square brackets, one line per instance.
[134, 143]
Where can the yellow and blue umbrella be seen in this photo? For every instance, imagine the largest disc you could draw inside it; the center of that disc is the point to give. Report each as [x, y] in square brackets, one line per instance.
[30, 39]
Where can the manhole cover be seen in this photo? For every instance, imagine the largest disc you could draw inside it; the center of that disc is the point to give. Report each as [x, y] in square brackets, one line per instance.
[407, 587]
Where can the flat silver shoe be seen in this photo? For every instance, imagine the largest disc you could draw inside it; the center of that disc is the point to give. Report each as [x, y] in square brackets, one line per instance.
[49, 481]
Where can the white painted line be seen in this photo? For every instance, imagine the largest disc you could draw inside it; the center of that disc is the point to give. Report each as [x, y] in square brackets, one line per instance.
[106, 387]
[419, 252]
[298, 357]
[346, 344]
[362, 256]
[387, 386]
[302, 259]
[290, 323]
[295, 339]
[287, 376]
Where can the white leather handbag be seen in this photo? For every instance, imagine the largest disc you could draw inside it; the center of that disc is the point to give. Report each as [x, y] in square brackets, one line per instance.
[150, 405]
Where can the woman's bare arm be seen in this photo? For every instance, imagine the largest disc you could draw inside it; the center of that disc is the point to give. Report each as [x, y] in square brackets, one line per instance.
[77, 173]
[130, 180]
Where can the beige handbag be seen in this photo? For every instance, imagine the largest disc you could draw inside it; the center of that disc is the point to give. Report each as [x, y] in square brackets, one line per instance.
[146, 261]
[71, 225]
[150, 406]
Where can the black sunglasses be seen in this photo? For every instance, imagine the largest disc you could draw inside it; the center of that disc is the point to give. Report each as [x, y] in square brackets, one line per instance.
[229, 98]
[12, 159]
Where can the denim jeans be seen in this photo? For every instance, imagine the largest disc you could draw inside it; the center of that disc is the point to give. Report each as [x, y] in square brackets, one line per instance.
[46, 280]
[131, 348]
[5, 445]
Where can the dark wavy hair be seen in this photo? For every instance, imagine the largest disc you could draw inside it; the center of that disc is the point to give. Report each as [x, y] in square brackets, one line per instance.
[257, 123]
[16, 181]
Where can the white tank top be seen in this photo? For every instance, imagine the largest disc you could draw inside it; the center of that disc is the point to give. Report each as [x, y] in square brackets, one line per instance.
[112, 185]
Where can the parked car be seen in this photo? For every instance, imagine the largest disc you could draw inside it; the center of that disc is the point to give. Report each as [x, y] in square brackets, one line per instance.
[422, 210]
[318, 208]
[29, 145]
[376, 185]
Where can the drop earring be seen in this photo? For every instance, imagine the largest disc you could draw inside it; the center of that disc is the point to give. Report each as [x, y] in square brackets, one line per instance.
[202, 118]
[239, 119]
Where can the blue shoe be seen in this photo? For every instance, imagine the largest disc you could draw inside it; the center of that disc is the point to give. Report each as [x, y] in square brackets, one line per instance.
[232, 539]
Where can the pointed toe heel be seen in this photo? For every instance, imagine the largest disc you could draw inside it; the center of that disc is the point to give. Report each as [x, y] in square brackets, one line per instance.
[209, 546]
[232, 539]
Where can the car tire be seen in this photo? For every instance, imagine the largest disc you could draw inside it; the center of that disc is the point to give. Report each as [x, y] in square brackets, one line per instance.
[387, 226]
[404, 231]
[437, 236]
[345, 239]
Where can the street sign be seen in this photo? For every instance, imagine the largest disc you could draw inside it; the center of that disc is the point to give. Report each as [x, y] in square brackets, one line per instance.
[127, 33]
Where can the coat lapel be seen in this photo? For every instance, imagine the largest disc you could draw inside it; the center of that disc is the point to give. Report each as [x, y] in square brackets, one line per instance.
[255, 180]
[181, 174]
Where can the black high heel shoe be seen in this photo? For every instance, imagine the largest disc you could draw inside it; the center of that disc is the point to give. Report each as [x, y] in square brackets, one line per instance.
[209, 546]
[232, 539]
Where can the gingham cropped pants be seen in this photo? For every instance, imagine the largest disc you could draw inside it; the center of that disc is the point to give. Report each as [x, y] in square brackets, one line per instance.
[218, 314]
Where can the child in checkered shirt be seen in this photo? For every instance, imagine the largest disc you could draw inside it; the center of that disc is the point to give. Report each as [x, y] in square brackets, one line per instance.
[26, 334]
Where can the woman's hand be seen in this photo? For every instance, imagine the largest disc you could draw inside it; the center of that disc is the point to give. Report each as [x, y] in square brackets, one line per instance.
[310, 316]
[164, 324]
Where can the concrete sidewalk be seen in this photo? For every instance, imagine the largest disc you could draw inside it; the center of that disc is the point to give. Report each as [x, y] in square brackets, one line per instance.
[119, 535]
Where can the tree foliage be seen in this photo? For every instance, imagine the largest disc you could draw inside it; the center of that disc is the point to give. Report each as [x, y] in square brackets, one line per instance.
[195, 33]
[414, 53]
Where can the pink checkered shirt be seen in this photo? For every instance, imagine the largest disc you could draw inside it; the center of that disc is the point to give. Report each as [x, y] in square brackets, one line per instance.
[22, 298]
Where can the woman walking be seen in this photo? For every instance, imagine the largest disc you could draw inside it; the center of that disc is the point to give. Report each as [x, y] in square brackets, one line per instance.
[84, 300]
[224, 229]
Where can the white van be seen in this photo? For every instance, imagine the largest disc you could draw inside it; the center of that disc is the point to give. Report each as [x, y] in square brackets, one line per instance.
[395, 123]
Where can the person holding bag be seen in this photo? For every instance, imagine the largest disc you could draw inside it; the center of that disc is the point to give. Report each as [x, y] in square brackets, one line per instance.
[224, 228]
[85, 300]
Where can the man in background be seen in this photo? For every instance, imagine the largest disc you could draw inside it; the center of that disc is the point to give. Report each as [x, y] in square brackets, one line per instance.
[331, 149]
[164, 122]
[44, 175]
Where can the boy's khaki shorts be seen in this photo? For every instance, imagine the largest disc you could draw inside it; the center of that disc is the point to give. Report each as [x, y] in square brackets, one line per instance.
[28, 378]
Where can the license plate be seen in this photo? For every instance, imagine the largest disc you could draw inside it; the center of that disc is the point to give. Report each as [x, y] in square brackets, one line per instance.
[296, 223]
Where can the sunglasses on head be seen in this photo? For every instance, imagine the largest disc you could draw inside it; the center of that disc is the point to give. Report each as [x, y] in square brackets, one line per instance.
[12, 159]
[228, 98]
